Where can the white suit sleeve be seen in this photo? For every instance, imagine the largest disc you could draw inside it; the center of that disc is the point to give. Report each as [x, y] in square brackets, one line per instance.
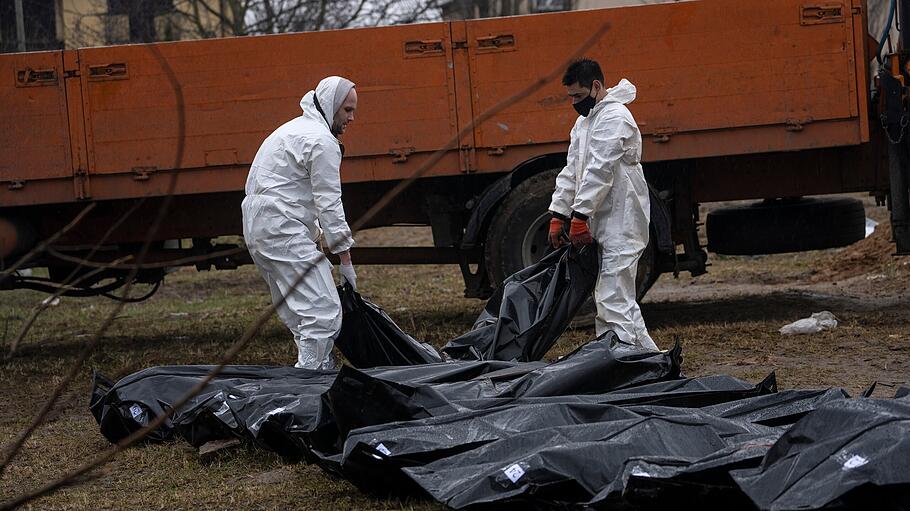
[325, 165]
[564, 193]
[610, 140]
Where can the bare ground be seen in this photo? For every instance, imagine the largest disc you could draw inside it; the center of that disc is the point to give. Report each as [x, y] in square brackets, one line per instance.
[727, 322]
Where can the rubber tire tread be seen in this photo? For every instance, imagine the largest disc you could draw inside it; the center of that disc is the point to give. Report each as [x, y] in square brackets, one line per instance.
[521, 206]
[786, 226]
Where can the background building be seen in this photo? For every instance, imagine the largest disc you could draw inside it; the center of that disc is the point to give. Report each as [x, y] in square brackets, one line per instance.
[466, 9]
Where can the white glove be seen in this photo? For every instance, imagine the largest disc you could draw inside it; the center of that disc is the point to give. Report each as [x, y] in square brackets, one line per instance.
[347, 272]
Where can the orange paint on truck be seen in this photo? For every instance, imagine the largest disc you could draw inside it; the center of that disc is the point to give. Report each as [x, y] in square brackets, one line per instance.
[716, 79]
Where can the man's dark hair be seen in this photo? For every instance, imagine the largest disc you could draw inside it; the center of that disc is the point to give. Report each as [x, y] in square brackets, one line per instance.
[583, 72]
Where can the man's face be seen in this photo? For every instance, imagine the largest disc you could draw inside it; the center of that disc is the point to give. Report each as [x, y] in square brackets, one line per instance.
[345, 113]
[578, 93]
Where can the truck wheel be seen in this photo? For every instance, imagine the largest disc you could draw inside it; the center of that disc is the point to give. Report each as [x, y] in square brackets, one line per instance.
[786, 225]
[517, 238]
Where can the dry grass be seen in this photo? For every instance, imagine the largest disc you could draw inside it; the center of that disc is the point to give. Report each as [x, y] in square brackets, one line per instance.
[727, 321]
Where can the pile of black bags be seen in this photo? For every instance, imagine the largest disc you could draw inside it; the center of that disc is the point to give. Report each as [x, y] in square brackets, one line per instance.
[607, 426]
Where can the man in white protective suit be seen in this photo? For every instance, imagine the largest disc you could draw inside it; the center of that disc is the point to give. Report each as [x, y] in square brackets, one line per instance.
[293, 202]
[602, 192]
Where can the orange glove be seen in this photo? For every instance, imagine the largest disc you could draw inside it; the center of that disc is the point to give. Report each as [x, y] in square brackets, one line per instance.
[555, 232]
[579, 234]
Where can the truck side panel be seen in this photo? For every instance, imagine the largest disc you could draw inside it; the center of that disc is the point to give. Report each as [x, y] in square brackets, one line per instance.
[209, 104]
[729, 77]
[34, 132]
[715, 78]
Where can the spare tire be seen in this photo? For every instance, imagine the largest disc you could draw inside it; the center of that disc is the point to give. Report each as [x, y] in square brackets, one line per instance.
[786, 225]
[517, 238]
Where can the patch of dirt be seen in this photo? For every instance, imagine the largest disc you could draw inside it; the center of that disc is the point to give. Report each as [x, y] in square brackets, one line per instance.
[728, 320]
[273, 476]
[873, 254]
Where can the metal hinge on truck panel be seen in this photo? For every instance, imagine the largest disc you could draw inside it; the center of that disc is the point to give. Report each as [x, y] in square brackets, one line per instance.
[467, 157]
[817, 14]
[143, 173]
[662, 135]
[796, 124]
[81, 183]
[401, 154]
[76, 120]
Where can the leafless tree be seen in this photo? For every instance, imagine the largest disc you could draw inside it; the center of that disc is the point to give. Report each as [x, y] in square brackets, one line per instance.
[116, 21]
[244, 17]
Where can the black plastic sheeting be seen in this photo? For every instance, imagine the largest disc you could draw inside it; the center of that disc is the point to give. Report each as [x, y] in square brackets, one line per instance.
[849, 453]
[521, 322]
[531, 309]
[609, 426]
[370, 338]
[241, 400]
[598, 366]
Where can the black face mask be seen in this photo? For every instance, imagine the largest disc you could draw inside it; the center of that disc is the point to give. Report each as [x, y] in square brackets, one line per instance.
[584, 106]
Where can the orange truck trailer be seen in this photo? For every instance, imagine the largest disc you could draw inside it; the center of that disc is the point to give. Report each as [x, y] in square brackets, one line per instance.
[768, 100]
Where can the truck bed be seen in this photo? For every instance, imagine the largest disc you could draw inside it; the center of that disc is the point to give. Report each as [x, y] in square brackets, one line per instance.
[714, 78]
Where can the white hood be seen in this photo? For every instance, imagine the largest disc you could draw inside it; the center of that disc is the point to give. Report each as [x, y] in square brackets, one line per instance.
[331, 92]
[623, 92]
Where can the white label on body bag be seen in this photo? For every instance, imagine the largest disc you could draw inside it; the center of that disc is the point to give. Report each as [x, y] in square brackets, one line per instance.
[514, 472]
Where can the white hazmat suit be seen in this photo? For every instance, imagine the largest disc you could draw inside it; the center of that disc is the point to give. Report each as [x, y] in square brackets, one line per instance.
[603, 180]
[293, 198]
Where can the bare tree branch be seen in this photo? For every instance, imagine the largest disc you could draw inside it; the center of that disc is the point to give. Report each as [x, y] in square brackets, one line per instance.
[44, 304]
[148, 266]
[76, 366]
[41, 247]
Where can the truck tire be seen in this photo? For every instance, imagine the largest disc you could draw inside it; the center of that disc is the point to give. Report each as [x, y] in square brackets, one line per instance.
[786, 225]
[517, 236]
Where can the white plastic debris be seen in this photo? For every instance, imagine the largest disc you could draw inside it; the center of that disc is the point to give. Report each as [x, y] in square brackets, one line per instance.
[819, 321]
[51, 301]
[870, 226]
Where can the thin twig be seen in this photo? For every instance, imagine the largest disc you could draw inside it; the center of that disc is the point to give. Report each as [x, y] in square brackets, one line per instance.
[46, 303]
[66, 284]
[40, 247]
[75, 367]
[144, 266]
[384, 201]
[89, 347]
